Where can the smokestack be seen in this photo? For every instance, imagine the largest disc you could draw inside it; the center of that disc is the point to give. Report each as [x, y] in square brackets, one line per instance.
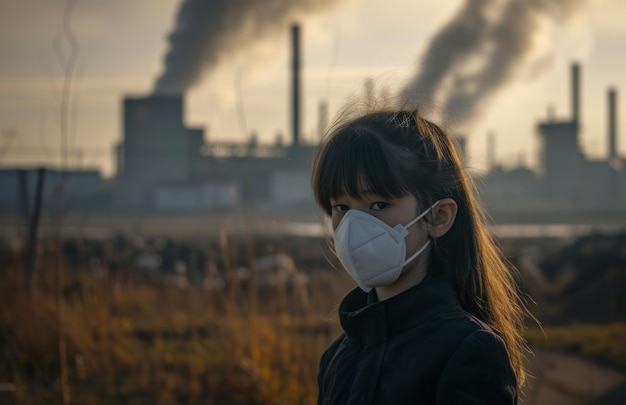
[323, 119]
[208, 32]
[612, 124]
[575, 93]
[491, 150]
[295, 85]
[461, 144]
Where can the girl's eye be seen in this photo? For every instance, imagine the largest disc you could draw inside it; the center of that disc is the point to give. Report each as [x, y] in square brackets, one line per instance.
[379, 206]
[341, 207]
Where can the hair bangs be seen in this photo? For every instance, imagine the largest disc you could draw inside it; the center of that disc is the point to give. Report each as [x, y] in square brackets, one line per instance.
[357, 163]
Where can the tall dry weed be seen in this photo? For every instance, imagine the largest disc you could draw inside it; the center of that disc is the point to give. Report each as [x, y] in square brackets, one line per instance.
[134, 341]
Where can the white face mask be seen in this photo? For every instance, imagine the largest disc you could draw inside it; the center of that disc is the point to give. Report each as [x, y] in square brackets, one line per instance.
[372, 252]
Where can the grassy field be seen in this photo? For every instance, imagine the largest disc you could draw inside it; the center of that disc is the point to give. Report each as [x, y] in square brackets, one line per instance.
[132, 341]
[123, 337]
[605, 343]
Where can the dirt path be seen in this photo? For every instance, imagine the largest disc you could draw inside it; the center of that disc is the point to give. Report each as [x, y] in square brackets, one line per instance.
[565, 379]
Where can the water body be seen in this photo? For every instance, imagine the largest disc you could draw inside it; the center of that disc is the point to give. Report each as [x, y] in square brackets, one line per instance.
[504, 231]
[101, 227]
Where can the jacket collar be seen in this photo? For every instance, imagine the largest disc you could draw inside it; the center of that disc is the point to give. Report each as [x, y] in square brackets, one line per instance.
[379, 321]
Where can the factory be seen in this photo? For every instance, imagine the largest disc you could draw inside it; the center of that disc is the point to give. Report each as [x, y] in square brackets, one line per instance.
[567, 185]
[164, 167]
[170, 168]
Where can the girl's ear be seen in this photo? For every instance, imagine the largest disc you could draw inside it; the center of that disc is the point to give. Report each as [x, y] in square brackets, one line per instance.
[443, 217]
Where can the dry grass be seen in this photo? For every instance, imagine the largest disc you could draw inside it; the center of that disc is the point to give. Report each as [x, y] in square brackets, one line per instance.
[601, 342]
[133, 342]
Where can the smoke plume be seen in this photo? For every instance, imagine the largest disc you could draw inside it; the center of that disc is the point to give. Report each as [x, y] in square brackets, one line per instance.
[479, 51]
[207, 31]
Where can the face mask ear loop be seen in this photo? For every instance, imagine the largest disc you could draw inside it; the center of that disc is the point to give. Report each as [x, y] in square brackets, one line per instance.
[420, 216]
[410, 259]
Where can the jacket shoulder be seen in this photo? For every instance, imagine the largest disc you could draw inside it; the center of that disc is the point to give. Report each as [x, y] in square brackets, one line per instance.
[331, 351]
[479, 371]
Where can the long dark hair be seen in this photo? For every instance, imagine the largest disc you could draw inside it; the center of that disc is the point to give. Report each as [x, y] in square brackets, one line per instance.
[397, 153]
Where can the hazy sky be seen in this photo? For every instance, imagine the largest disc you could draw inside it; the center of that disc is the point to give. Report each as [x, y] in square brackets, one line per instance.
[122, 45]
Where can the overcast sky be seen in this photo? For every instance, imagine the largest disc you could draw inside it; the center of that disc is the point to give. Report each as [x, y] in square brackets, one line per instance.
[122, 45]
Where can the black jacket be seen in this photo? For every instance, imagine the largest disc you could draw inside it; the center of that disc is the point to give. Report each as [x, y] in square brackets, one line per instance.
[418, 347]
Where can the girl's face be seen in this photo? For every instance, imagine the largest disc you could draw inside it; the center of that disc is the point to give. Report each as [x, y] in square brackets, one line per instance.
[391, 211]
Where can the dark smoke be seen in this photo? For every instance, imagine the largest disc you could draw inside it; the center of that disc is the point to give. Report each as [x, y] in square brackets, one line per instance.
[479, 51]
[207, 31]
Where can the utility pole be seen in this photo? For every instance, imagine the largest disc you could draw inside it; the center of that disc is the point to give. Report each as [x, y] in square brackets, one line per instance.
[33, 226]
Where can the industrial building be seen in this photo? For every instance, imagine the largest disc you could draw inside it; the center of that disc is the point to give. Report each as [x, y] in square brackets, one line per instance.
[169, 168]
[165, 167]
[568, 185]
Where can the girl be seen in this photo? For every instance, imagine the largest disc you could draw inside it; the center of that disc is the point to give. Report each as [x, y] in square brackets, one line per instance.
[437, 317]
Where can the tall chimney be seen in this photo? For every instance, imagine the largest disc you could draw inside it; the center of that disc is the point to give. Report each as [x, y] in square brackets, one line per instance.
[295, 85]
[612, 124]
[491, 150]
[575, 93]
[322, 124]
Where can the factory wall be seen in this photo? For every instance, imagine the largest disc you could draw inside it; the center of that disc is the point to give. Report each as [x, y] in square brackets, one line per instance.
[209, 197]
[155, 148]
[81, 190]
